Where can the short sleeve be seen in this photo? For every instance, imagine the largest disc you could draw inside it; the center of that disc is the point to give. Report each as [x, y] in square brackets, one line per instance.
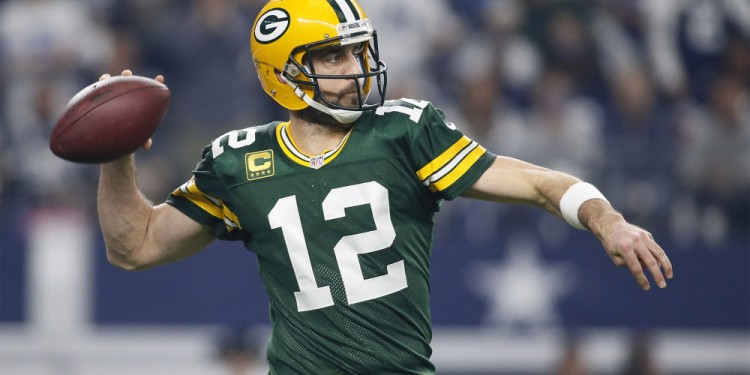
[202, 198]
[448, 161]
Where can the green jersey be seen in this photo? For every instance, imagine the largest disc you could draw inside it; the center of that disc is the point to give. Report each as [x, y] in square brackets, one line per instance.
[343, 239]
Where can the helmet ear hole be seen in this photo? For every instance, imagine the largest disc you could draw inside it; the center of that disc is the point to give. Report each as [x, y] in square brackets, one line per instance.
[280, 76]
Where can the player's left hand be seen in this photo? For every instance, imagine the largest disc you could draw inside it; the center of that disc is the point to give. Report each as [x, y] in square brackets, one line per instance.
[634, 248]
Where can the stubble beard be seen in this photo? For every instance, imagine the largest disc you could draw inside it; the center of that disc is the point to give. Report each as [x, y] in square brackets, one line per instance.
[315, 116]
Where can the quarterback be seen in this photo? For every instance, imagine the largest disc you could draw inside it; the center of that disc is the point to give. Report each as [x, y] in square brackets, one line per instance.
[338, 201]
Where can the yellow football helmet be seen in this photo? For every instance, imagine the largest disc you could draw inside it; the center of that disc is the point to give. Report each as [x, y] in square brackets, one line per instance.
[285, 32]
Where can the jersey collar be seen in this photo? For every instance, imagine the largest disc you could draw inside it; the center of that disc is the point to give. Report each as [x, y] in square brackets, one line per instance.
[284, 138]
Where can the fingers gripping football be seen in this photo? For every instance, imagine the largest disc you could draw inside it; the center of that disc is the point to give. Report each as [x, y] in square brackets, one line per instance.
[127, 72]
[110, 118]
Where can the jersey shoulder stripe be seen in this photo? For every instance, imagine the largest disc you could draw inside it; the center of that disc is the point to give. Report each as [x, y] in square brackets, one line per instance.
[456, 153]
[452, 169]
[212, 206]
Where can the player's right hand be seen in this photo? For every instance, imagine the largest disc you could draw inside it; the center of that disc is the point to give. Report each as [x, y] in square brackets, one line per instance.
[128, 72]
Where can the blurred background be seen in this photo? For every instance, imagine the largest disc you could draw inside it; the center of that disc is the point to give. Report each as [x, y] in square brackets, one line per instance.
[647, 99]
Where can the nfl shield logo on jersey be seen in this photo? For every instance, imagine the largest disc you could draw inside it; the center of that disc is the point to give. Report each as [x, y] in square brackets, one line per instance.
[317, 161]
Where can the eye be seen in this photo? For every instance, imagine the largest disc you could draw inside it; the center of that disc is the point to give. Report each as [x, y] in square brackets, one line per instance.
[333, 57]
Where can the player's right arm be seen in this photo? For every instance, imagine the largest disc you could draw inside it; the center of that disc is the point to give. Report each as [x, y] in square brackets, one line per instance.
[137, 234]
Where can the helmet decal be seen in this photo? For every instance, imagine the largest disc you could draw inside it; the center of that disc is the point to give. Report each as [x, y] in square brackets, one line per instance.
[345, 11]
[271, 25]
[286, 31]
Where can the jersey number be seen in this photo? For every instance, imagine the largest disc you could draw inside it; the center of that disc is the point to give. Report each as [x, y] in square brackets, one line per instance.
[285, 215]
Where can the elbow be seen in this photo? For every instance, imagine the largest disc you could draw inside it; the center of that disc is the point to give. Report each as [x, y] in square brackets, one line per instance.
[125, 262]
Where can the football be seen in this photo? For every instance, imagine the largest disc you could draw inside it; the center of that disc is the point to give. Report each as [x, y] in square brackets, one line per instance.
[109, 119]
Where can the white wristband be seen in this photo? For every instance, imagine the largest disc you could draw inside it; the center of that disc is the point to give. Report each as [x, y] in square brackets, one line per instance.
[574, 197]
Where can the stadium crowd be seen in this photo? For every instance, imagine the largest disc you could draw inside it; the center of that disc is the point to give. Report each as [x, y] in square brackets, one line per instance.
[648, 99]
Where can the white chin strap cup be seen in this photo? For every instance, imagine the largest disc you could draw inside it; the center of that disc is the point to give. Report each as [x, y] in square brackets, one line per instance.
[341, 115]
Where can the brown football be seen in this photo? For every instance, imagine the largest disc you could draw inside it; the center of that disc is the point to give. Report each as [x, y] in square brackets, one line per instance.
[109, 119]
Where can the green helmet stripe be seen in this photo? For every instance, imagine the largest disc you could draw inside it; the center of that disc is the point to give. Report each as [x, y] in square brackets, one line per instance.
[345, 10]
[357, 16]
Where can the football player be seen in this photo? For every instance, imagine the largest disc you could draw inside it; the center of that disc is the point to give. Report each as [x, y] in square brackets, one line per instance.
[338, 201]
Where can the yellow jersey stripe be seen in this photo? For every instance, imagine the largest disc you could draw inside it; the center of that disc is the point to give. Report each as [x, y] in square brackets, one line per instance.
[214, 207]
[230, 219]
[191, 192]
[286, 149]
[452, 164]
[289, 142]
[290, 149]
[454, 174]
[443, 159]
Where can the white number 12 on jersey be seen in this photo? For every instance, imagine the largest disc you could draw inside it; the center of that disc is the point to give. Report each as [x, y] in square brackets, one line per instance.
[285, 215]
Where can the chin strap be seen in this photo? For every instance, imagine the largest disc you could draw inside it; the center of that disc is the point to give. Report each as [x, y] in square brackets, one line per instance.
[343, 116]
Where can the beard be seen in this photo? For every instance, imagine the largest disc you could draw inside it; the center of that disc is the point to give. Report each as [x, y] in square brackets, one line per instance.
[315, 116]
[347, 98]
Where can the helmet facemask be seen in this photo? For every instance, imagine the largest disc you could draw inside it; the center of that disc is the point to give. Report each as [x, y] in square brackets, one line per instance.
[300, 73]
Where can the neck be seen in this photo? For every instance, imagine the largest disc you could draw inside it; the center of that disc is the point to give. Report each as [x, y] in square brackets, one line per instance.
[316, 138]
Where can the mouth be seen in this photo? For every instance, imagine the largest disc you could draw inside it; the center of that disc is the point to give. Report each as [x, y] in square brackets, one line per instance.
[347, 98]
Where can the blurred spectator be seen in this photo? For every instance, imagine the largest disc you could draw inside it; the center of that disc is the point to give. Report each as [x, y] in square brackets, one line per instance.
[572, 362]
[50, 47]
[410, 35]
[715, 152]
[51, 37]
[561, 30]
[239, 351]
[736, 59]
[705, 29]
[478, 102]
[564, 130]
[149, 22]
[618, 31]
[211, 69]
[519, 60]
[560, 130]
[126, 53]
[687, 38]
[640, 360]
[640, 149]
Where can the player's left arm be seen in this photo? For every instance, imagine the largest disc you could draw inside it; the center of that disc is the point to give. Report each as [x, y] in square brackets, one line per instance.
[516, 181]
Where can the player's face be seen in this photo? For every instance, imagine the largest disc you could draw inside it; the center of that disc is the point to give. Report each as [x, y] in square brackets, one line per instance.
[339, 60]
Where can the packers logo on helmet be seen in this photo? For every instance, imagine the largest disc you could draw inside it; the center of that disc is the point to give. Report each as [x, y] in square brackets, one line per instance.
[271, 25]
[284, 34]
